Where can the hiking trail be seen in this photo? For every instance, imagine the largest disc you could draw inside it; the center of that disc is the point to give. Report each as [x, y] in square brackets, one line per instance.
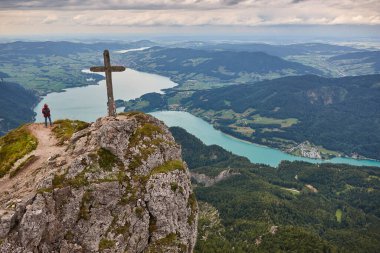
[23, 184]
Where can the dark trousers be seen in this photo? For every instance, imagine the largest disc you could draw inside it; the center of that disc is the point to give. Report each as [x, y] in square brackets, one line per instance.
[46, 118]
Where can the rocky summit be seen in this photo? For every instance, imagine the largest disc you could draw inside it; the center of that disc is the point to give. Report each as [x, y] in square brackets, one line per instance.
[118, 185]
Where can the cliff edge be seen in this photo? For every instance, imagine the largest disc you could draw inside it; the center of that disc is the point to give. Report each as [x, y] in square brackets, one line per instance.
[118, 185]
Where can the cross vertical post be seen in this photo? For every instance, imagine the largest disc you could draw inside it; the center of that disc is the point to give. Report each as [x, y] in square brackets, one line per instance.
[111, 100]
[108, 69]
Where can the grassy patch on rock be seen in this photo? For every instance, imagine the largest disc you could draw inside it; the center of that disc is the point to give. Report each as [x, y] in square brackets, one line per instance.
[169, 166]
[105, 244]
[15, 145]
[166, 244]
[145, 139]
[192, 203]
[64, 129]
[107, 160]
[146, 130]
[84, 212]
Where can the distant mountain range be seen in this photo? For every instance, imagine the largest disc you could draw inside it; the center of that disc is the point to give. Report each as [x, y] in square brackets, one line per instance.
[64, 48]
[213, 68]
[340, 114]
[276, 50]
[16, 105]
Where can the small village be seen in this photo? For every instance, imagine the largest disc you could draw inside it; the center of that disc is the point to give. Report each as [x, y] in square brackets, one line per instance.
[306, 149]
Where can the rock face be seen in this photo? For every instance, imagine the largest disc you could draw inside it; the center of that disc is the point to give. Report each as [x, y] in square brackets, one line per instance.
[120, 186]
[210, 181]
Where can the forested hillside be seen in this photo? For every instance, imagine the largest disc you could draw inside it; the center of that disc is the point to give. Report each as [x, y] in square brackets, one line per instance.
[339, 114]
[16, 105]
[298, 207]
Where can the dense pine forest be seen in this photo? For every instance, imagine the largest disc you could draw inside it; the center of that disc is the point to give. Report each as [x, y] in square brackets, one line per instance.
[297, 207]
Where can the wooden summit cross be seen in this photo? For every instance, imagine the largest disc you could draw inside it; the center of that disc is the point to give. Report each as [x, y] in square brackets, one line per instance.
[108, 69]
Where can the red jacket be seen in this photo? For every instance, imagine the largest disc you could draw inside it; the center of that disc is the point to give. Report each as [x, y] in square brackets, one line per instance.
[46, 112]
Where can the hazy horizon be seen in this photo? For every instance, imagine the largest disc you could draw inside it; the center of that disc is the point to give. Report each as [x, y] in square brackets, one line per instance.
[278, 22]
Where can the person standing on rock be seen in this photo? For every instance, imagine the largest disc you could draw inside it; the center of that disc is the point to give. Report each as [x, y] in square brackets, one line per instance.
[46, 113]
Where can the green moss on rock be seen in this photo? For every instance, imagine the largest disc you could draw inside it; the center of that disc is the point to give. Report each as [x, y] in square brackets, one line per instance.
[107, 160]
[174, 186]
[169, 166]
[69, 236]
[164, 244]
[84, 212]
[122, 230]
[58, 180]
[79, 180]
[130, 113]
[152, 224]
[106, 244]
[45, 190]
[139, 212]
[146, 130]
[64, 129]
[192, 204]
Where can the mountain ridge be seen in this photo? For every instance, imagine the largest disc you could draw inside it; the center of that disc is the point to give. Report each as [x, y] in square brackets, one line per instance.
[212, 68]
[116, 185]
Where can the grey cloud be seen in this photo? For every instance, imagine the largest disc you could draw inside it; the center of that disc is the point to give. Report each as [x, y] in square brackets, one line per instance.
[115, 4]
[298, 1]
[231, 2]
[170, 4]
[133, 4]
[193, 12]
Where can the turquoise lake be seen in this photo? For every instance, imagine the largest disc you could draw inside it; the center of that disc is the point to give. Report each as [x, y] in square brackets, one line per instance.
[255, 153]
[89, 103]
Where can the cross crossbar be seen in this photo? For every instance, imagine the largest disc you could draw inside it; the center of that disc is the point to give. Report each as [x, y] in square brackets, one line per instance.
[103, 69]
[108, 69]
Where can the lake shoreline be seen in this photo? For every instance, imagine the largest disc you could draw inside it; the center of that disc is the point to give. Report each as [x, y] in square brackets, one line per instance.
[90, 100]
[268, 148]
[271, 147]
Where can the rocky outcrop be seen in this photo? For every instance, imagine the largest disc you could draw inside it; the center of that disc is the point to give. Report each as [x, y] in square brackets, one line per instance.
[120, 186]
[208, 181]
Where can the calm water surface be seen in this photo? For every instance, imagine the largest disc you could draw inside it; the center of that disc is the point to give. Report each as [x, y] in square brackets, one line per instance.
[90, 102]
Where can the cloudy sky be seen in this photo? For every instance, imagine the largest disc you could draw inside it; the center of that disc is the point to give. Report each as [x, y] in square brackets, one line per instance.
[33, 17]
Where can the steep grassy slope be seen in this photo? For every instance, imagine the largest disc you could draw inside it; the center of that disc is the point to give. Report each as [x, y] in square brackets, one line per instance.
[15, 145]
